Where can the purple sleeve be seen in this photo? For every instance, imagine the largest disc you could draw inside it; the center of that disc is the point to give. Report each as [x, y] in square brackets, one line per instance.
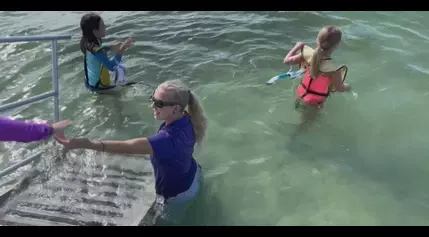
[20, 131]
[162, 145]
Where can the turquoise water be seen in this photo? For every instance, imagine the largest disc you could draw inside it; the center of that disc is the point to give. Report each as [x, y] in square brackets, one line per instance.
[364, 162]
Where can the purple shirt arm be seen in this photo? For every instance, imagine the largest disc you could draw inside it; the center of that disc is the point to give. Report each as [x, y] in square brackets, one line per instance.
[20, 131]
[162, 145]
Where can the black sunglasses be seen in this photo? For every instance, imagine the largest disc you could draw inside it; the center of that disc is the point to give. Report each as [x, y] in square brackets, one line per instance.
[160, 103]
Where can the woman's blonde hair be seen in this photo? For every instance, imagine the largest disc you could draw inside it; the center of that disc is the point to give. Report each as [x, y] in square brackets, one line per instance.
[327, 38]
[178, 92]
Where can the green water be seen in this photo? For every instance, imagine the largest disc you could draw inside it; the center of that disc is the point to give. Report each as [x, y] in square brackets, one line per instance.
[364, 162]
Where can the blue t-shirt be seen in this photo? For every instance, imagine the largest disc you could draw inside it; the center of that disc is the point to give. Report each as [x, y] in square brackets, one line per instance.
[172, 159]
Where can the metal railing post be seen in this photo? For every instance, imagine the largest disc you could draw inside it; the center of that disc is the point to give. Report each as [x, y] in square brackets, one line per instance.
[19, 164]
[54, 93]
[55, 86]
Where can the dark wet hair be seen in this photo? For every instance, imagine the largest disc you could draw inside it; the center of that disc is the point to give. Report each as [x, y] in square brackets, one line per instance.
[88, 23]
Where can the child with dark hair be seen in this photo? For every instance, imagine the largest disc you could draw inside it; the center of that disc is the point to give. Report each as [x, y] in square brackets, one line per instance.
[97, 64]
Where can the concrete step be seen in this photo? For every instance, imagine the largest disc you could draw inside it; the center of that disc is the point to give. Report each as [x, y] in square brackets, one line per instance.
[101, 195]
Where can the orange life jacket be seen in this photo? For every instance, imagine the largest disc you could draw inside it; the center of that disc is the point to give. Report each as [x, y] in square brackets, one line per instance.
[314, 90]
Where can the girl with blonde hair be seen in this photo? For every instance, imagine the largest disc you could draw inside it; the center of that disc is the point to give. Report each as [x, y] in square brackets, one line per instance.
[321, 76]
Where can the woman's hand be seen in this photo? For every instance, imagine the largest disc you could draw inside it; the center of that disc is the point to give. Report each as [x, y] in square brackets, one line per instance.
[73, 143]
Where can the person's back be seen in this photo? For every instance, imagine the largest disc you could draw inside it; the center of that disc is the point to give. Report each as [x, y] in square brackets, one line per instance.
[314, 91]
[321, 75]
[96, 73]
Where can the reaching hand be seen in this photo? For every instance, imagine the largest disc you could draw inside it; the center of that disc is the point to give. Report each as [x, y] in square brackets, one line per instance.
[116, 46]
[299, 45]
[73, 143]
[60, 126]
[127, 43]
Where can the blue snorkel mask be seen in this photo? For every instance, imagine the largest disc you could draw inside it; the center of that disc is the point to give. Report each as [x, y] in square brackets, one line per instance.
[288, 75]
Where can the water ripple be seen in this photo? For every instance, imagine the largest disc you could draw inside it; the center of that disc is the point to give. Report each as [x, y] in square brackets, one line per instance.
[226, 57]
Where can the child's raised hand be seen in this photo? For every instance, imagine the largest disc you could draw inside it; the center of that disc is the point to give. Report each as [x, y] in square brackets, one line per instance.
[116, 46]
[299, 45]
[127, 43]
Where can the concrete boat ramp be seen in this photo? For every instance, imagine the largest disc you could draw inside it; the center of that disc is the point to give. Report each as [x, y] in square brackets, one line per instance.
[78, 191]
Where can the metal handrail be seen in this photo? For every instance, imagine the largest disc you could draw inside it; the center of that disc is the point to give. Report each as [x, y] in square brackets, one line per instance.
[13, 39]
[54, 93]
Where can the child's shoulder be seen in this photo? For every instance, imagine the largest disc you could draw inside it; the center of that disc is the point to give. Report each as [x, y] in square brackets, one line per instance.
[325, 66]
[94, 48]
[329, 66]
[307, 53]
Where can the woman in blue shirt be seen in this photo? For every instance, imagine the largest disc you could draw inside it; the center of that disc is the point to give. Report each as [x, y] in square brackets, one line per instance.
[177, 174]
[97, 64]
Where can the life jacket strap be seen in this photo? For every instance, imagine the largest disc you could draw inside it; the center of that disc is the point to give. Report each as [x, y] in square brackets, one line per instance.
[309, 91]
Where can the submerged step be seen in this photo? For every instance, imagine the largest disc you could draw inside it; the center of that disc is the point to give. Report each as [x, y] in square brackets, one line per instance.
[72, 195]
[106, 191]
[80, 209]
[15, 220]
[57, 217]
